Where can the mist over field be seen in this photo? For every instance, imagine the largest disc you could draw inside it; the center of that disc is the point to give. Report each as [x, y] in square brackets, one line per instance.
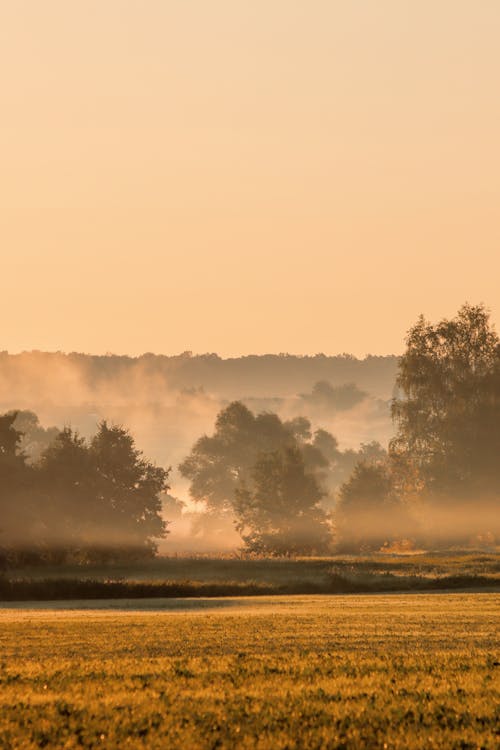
[167, 403]
[184, 454]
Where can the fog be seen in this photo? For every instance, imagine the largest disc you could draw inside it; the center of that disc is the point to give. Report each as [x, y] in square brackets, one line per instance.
[428, 523]
[168, 402]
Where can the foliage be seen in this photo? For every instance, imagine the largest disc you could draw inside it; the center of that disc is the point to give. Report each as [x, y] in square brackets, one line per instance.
[10, 440]
[341, 464]
[338, 580]
[16, 499]
[408, 672]
[129, 487]
[280, 513]
[448, 411]
[368, 514]
[218, 464]
[331, 398]
[80, 500]
[39, 373]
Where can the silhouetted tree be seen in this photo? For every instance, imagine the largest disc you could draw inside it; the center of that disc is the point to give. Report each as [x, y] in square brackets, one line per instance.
[10, 440]
[80, 501]
[340, 464]
[368, 514]
[129, 489]
[447, 445]
[219, 463]
[16, 511]
[279, 513]
[68, 511]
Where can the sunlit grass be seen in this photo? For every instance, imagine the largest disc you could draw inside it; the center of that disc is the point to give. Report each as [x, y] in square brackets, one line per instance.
[395, 671]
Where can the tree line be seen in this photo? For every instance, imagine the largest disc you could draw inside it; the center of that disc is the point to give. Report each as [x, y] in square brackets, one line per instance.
[253, 375]
[274, 478]
[81, 500]
[287, 489]
[438, 482]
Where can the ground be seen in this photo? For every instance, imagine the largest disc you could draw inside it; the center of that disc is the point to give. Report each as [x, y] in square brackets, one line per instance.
[376, 671]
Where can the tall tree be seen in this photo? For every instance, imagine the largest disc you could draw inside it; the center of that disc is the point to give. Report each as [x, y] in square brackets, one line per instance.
[218, 463]
[279, 513]
[130, 489]
[102, 499]
[67, 509]
[448, 411]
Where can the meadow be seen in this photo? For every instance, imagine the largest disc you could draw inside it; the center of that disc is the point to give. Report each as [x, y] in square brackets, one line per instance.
[233, 576]
[283, 672]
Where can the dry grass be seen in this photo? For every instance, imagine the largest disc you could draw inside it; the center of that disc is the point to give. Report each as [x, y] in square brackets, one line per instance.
[385, 671]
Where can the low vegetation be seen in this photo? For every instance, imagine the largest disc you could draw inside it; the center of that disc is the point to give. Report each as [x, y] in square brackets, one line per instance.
[396, 671]
[203, 576]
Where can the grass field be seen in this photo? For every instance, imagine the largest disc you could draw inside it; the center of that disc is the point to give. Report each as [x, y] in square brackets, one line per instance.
[374, 671]
[204, 576]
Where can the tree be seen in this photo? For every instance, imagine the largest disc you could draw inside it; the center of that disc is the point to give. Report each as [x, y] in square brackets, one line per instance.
[100, 500]
[67, 507]
[219, 463]
[448, 412]
[16, 511]
[10, 440]
[279, 513]
[329, 398]
[130, 489]
[340, 464]
[368, 514]
[223, 462]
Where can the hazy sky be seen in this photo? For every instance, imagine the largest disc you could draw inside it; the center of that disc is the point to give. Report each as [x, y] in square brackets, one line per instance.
[245, 175]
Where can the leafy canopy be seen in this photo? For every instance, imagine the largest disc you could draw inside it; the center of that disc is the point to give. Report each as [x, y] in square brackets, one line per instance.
[81, 500]
[219, 463]
[280, 513]
[448, 411]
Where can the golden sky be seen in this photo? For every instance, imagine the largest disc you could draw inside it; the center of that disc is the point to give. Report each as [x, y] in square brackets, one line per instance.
[245, 175]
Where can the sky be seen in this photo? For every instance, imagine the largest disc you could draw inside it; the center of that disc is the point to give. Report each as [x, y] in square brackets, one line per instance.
[245, 176]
